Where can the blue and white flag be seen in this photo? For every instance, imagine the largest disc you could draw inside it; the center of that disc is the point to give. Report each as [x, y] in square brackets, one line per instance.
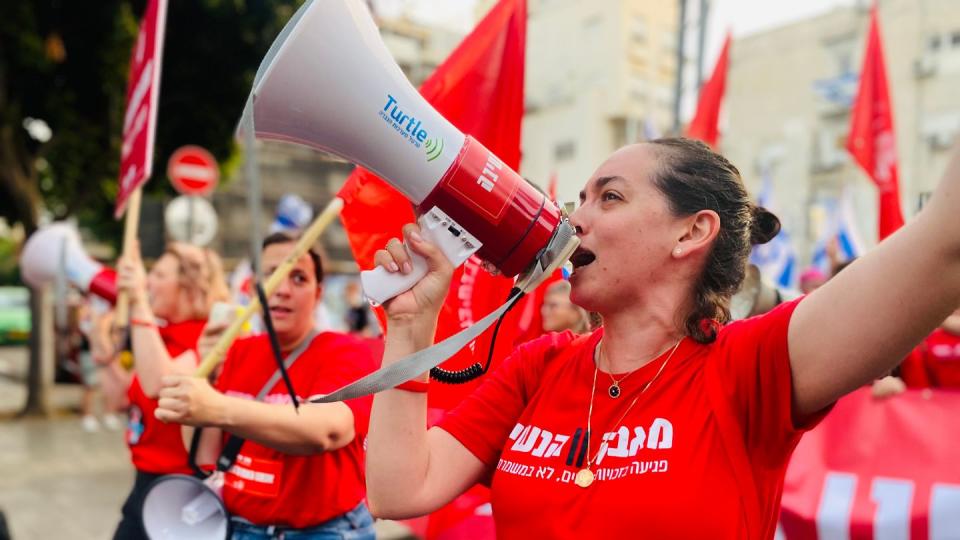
[842, 226]
[777, 259]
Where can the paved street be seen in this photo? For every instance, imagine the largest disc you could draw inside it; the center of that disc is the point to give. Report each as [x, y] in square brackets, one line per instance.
[57, 481]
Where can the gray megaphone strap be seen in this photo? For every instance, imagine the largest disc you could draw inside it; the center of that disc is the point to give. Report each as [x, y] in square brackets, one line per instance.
[419, 362]
[557, 252]
[231, 449]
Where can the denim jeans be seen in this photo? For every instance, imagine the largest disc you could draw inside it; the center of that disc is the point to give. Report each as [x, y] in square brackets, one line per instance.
[356, 524]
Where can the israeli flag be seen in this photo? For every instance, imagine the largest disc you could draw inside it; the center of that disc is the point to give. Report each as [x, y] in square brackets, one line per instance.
[842, 226]
[777, 259]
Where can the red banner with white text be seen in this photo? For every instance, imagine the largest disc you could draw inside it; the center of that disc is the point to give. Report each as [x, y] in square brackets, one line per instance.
[143, 95]
[878, 469]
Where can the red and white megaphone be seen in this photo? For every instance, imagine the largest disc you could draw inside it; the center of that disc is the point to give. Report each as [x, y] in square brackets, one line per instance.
[43, 252]
[329, 82]
[182, 507]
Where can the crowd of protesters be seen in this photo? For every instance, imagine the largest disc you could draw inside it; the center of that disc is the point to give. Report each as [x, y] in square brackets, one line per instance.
[648, 312]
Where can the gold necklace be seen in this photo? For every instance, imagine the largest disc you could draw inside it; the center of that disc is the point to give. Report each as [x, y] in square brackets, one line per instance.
[614, 389]
[585, 476]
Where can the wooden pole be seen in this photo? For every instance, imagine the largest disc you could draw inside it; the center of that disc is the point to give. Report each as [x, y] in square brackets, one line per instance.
[130, 228]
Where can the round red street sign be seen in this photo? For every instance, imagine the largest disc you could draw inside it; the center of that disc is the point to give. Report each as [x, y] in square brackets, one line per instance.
[193, 171]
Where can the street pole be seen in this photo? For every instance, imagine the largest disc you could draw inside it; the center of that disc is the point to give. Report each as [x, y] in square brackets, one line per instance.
[678, 88]
[701, 40]
[190, 219]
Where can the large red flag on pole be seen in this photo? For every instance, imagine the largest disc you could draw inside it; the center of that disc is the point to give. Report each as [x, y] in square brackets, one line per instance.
[143, 94]
[706, 121]
[871, 140]
[479, 88]
[139, 126]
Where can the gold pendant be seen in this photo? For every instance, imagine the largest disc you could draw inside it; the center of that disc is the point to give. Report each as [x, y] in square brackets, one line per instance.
[584, 478]
[614, 390]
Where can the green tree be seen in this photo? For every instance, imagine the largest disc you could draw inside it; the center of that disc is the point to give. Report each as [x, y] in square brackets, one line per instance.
[66, 63]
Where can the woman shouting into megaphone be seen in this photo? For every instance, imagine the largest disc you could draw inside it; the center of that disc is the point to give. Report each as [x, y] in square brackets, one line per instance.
[664, 410]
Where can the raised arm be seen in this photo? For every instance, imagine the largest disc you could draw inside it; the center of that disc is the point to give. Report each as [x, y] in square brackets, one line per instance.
[412, 471]
[151, 359]
[865, 320]
[317, 427]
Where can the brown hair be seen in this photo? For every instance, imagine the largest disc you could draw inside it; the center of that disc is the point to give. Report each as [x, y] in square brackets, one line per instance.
[693, 177]
[281, 237]
[200, 275]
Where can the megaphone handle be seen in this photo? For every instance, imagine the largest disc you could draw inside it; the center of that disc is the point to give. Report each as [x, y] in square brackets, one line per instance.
[452, 239]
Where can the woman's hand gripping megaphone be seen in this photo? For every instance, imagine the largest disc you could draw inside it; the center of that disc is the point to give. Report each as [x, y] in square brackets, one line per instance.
[453, 241]
[423, 301]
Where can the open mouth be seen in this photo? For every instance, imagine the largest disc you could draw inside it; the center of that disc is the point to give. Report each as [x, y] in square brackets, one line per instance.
[280, 310]
[582, 257]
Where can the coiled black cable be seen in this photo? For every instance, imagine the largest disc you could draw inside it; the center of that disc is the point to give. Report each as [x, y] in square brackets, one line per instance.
[471, 372]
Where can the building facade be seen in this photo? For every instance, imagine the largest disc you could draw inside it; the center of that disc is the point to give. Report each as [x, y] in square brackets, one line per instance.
[599, 75]
[788, 103]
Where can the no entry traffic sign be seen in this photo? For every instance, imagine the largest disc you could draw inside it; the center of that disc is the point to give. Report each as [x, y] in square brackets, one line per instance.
[193, 171]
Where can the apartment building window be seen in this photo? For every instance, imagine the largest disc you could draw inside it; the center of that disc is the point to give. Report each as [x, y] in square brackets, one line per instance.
[934, 43]
[564, 150]
[842, 50]
[638, 29]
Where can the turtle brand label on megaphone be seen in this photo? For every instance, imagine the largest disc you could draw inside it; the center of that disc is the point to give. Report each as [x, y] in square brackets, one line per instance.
[407, 125]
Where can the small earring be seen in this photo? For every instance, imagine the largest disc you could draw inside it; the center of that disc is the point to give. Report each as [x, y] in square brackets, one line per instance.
[677, 252]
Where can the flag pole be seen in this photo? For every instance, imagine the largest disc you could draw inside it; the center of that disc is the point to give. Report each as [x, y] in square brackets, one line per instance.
[130, 229]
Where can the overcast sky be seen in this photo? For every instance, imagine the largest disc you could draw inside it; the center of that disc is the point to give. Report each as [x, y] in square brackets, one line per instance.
[741, 16]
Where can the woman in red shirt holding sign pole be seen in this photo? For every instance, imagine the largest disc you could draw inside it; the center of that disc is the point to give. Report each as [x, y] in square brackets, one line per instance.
[168, 308]
[299, 472]
[663, 423]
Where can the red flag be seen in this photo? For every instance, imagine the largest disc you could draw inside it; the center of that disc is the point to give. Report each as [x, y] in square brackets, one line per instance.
[871, 141]
[143, 95]
[706, 122]
[479, 88]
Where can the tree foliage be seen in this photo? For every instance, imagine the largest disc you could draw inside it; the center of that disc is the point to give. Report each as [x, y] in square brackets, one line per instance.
[66, 63]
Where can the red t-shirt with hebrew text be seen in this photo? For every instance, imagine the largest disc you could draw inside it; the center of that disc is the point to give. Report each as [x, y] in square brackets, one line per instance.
[666, 473]
[157, 447]
[268, 487]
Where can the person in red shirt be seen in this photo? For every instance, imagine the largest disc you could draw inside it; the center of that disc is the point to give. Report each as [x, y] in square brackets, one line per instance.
[168, 308]
[935, 363]
[663, 423]
[299, 473]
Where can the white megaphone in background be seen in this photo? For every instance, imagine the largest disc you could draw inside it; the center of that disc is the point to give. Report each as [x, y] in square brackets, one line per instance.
[41, 258]
[182, 507]
[329, 82]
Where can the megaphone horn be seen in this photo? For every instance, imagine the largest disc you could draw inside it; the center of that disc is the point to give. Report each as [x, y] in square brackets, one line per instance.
[45, 249]
[329, 82]
[181, 507]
